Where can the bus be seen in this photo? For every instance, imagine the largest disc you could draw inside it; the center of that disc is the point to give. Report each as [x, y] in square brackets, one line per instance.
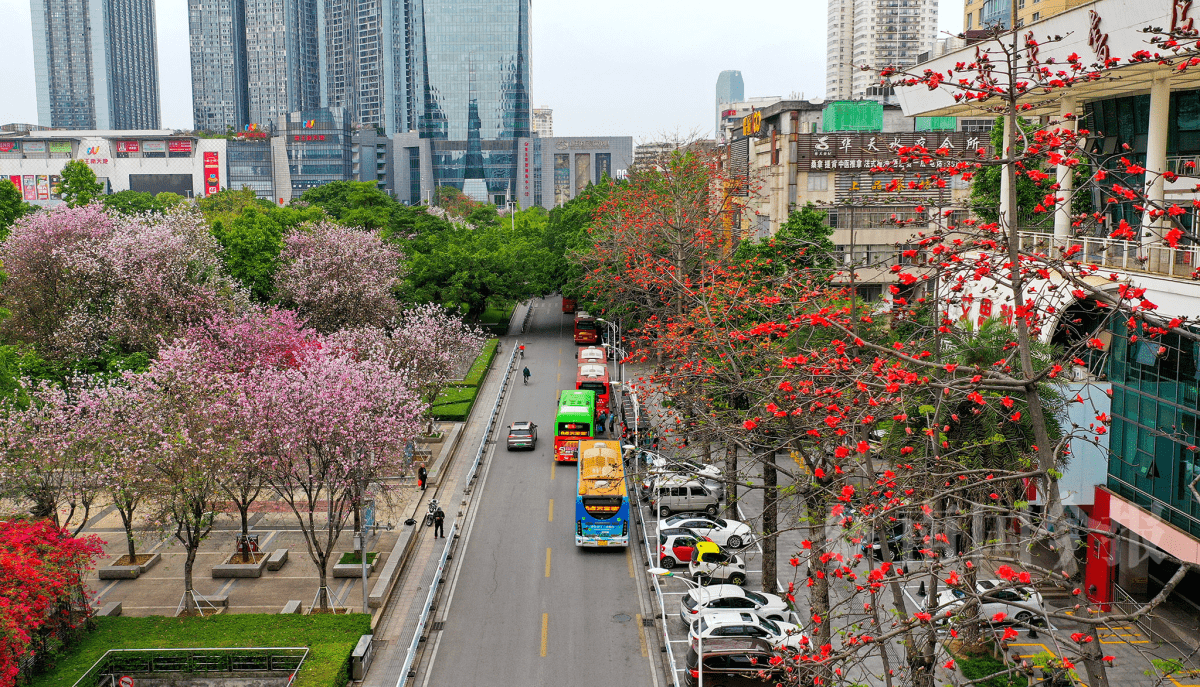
[602, 501]
[591, 354]
[585, 328]
[575, 420]
[568, 305]
[594, 377]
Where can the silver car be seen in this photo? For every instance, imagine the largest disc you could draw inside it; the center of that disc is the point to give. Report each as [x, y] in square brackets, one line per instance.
[522, 434]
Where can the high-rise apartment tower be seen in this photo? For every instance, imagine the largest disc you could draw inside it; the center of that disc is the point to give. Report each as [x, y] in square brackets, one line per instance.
[730, 89]
[876, 34]
[95, 63]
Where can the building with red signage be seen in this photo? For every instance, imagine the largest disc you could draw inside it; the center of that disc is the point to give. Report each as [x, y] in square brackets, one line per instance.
[1140, 507]
[152, 161]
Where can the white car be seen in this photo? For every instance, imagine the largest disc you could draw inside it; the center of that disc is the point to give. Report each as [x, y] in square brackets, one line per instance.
[655, 465]
[997, 601]
[728, 533]
[710, 563]
[730, 597]
[723, 624]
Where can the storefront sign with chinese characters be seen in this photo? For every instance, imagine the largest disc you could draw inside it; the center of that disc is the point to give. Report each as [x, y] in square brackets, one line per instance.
[875, 149]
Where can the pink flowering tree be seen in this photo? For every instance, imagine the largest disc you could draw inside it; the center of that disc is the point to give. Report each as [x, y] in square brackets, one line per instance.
[43, 463]
[338, 277]
[322, 431]
[429, 344]
[80, 281]
[237, 345]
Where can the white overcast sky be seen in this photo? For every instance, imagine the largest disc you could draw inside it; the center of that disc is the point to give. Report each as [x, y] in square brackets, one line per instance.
[614, 67]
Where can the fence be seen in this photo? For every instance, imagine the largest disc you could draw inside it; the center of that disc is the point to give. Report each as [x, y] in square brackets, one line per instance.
[1171, 262]
[411, 655]
[119, 662]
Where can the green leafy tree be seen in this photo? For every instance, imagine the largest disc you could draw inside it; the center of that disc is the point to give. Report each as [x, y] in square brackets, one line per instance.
[354, 203]
[225, 206]
[803, 241]
[253, 239]
[132, 203]
[12, 206]
[78, 185]
[169, 200]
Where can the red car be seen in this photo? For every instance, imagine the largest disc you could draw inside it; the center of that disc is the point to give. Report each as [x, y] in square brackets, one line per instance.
[675, 546]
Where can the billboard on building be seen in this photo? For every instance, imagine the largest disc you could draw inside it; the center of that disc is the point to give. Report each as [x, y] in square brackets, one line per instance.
[29, 188]
[180, 146]
[35, 146]
[212, 173]
[128, 147]
[43, 187]
[60, 146]
[562, 178]
[157, 183]
[16, 181]
[154, 146]
[583, 171]
[10, 146]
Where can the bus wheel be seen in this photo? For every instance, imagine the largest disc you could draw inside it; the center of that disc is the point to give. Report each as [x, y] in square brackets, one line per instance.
[667, 562]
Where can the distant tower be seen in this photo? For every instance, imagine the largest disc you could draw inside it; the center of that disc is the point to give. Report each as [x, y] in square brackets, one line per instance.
[730, 89]
[875, 34]
[95, 63]
[543, 122]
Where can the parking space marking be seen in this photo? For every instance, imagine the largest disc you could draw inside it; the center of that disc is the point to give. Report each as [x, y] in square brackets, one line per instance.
[1191, 673]
[1120, 634]
[1046, 650]
[641, 635]
[629, 558]
[547, 561]
[551, 510]
[545, 631]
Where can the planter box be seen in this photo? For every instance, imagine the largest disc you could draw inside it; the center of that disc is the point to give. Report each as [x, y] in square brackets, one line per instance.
[354, 569]
[127, 572]
[226, 570]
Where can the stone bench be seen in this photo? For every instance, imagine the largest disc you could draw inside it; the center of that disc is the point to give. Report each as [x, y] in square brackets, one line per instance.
[216, 600]
[277, 558]
[119, 572]
[291, 606]
[110, 610]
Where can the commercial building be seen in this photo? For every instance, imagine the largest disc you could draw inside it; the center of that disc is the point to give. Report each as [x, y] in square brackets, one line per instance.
[554, 170]
[151, 161]
[543, 122]
[985, 14]
[95, 63]
[874, 33]
[730, 89]
[1139, 506]
[795, 152]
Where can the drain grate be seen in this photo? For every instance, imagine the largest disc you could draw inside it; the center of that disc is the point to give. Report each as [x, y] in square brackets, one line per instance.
[437, 627]
[622, 618]
[647, 622]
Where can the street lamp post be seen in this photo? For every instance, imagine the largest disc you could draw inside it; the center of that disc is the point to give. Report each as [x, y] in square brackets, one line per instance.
[663, 572]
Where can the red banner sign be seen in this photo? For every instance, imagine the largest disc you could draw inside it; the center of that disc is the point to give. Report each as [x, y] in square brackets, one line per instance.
[212, 173]
[128, 147]
[177, 146]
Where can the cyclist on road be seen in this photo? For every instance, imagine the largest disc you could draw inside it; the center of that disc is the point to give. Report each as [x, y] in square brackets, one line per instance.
[526, 375]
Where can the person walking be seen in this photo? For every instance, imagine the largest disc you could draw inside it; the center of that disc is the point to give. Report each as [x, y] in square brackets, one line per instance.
[439, 519]
[422, 476]
[600, 423]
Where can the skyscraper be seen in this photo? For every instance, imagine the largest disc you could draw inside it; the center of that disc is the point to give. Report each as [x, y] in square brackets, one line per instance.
[876, 34]
[96, 63]
[217, 37]
[543, 122]
[281, 58]
[730, 89]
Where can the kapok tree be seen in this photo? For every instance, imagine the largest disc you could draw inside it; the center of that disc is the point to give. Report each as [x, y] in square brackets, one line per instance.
[322, 430]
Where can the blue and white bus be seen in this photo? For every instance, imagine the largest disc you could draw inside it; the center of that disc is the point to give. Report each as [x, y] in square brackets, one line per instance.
[601, 501]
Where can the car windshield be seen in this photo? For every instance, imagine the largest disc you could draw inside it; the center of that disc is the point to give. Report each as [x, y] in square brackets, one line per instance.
[756, 598]
[703, 627]
[689, 601]
[770, 625]
[720, 522]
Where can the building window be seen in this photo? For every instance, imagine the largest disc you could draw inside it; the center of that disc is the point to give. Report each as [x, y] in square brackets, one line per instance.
[818, 181]
[970, 16]
[1036, 15]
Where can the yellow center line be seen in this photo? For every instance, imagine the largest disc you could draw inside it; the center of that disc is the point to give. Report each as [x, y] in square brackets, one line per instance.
[558, 378]
[545, 631]
[547, 561]
[552, 467]
[641, 635]
[551, 519]
[629, 559]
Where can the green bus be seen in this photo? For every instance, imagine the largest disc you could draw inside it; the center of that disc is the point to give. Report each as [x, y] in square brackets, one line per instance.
[575, 420]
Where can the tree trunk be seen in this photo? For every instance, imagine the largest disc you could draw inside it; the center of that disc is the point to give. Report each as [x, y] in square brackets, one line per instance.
[1091, 655]
[189, 600]
[731, 468]
[770, 525]
[323, 590]
[126, 513]
[244, 509]
[816, 504]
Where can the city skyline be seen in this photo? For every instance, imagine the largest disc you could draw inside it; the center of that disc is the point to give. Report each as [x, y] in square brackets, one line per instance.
[606, 89]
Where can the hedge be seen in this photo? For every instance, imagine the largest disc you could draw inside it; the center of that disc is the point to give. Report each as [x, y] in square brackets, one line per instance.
[330, 639]
[455, 402]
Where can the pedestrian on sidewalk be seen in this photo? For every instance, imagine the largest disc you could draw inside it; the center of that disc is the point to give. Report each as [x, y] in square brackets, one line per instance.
[439, 519]
[422, 476]
[600, 423]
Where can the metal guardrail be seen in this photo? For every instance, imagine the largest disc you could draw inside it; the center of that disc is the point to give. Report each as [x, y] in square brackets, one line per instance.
[662, 606]
[1126, 255]
[411, 655]
[119, 662]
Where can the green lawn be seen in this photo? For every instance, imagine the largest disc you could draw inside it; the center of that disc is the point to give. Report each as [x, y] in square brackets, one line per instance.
[455, 401]
[330, 639]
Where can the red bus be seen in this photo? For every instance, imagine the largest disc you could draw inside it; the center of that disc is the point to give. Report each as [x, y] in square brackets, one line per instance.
[594, 377]
[591, 354]
[568, 305]
[585, 328]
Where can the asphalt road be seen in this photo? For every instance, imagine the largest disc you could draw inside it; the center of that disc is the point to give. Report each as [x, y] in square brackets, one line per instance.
[526, 607]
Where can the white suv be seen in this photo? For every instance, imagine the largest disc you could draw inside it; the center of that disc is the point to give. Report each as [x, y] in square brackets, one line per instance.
[723, 624]
[711, 563]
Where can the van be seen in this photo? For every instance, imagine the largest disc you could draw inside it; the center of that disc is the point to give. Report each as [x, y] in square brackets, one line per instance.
[678, 494]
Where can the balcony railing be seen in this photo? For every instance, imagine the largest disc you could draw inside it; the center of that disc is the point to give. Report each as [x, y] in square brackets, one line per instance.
[1125, 255]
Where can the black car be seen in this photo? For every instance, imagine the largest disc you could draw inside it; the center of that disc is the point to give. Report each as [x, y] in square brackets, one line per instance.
[734, 661]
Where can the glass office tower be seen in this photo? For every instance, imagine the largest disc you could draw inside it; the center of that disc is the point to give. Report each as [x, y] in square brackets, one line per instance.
[471, 70]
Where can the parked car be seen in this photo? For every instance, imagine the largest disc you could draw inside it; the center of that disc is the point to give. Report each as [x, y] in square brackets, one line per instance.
[730, 533]
[711, 563]
[997, 600]
[653, 466]
[730, 597]
[675, 546]
[522, 434]
[672, 494]
[745, 624]
[727, 661]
